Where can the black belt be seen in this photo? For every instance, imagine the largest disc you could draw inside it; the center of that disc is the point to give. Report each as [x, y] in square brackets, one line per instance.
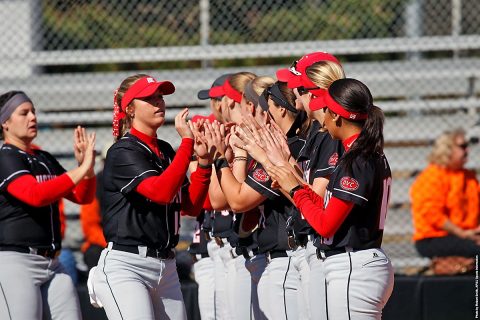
[246, 252]
[277, 254]
[151, 252]
[47, 253]
[322, 254]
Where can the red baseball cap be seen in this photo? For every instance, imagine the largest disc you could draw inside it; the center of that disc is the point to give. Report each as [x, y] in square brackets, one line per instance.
[145, 87]
[293, 75]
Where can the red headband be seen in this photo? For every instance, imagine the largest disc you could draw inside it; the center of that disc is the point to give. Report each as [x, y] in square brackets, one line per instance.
[340, 110]
[231, 92]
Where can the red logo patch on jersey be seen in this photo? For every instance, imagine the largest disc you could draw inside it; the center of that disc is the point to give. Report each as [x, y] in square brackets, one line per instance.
[333, 159]
[348, 183]
[260, 175]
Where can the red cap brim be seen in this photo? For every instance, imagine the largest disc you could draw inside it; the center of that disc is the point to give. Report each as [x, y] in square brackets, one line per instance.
[216, 92]
[317, 103]
[284, 75]
[164, 87]
[295, 82]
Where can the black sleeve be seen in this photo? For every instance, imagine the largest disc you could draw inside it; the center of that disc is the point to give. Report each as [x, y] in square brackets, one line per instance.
[355, 186]
[325, 158]
[259, 180]
[128, 165]
[12, 166]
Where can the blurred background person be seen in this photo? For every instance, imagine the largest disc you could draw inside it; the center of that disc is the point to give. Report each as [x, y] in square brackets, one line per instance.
[445, 201]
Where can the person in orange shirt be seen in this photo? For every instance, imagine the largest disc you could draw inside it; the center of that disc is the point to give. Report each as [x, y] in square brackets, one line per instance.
[445, 201]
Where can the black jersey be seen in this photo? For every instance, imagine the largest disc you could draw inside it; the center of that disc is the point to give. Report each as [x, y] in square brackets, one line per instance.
[21, 224]
[317, 160]
[276, 209]
[130, 218]
[199, 241]
[368, 187]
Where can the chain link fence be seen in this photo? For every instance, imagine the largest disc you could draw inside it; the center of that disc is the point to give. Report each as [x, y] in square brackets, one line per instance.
[419, 57]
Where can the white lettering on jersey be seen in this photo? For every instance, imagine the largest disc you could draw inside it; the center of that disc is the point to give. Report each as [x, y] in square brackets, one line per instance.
[387, 186]
[44, 177]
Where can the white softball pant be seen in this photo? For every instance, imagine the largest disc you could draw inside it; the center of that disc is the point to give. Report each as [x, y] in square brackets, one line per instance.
[220, 274]
[204, 270]
[131, 286]
[358, 284]
[35, 287]
[301, 265]
[256, 266]
[277, 289]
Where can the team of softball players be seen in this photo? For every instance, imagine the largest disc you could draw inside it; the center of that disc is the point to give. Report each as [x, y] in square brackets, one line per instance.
[286, 178]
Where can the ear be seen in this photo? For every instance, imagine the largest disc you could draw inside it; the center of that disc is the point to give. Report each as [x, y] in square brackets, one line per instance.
[336, 118]
[230, 103]
[283, 112]
[4, 126]
[251, 108]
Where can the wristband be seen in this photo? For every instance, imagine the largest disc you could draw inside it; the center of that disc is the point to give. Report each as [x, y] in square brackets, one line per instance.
[221, 163]
[205, 166]
[239, 159]
[294, 189]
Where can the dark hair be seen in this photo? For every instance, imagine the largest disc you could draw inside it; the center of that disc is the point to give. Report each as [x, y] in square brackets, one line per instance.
[3, 99]
[355, 96]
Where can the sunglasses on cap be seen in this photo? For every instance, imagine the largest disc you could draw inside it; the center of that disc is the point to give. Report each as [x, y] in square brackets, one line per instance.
[303, 90]
[293, 68]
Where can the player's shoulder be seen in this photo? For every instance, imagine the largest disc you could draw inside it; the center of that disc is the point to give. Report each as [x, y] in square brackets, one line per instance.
[8, 151]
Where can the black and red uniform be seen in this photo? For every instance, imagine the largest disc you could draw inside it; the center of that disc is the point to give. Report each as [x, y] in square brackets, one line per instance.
[318, 160]
[131, 219]
[31, 183]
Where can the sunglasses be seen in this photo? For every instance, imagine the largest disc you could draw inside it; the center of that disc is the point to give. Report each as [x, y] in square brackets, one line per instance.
[303, 90]
[293, 68]
[464, 145]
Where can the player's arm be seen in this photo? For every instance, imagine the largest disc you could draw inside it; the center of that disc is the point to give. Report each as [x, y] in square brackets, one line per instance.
[194, 199]
[325, 221]
[171, 179]
[217, 198]
[84, 191]
[240, 196]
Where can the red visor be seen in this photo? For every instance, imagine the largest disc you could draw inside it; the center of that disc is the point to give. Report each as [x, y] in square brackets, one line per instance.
[327, 101]
[145, 87]
[231, 92]
[216, 92]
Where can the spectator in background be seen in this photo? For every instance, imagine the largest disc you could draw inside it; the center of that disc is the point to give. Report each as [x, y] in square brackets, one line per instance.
[91, 220]
[445, 201]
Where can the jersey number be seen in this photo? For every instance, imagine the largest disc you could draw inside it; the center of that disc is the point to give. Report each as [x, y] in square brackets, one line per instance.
[387, 185]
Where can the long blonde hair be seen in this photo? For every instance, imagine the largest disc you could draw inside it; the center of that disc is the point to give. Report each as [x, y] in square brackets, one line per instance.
[324, 73]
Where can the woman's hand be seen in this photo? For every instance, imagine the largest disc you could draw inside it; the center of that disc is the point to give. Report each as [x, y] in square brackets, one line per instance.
[218, 139]
[204, 147]
[283, 177]
[88, 163]
[277, 151]
[249, 141]
[182, 126]
[80, 142]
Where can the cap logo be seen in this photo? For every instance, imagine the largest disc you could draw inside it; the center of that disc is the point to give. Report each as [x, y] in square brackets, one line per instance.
[333, 159]
[353, 116]
[260, 175]
[348, 183]
[150, 80]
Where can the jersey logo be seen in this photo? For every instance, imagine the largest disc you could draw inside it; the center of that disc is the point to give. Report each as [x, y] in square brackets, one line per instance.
[333, 159]
[260, 175]
[348, 183]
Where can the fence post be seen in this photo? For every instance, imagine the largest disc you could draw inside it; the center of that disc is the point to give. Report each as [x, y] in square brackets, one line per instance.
[205, 27]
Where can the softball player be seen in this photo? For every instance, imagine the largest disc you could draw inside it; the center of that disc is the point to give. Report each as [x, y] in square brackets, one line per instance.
[311, 76]
[31, 184]
[278, 282]
[349, 220]
[145, 190]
